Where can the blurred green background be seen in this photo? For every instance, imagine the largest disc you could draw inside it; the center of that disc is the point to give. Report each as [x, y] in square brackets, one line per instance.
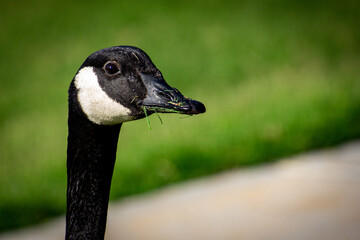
[277, 78]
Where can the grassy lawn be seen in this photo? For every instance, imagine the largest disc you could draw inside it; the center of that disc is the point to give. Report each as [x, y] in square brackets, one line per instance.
[277, 78]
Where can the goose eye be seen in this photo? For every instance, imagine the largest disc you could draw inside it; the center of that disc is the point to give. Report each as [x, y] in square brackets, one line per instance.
[111, 68]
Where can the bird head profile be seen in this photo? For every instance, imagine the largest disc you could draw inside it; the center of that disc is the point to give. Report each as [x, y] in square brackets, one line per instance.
[120, 84]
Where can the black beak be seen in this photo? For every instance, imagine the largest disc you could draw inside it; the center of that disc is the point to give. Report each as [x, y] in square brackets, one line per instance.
[165, 99]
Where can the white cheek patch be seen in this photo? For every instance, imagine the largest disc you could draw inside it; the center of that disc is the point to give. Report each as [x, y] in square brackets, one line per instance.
[96, 104]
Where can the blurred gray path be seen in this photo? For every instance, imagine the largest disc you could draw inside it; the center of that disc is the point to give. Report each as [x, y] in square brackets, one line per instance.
[310, 196]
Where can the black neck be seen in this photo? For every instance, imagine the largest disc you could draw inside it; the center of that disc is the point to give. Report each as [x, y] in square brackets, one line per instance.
[90, 162]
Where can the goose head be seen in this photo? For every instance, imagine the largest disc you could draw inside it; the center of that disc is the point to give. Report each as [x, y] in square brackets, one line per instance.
[120, 84]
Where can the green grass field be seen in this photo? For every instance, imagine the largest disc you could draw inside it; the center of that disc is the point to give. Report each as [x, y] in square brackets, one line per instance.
[277, 78]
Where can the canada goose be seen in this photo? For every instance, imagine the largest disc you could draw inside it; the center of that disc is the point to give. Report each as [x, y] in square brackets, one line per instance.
[112, 86]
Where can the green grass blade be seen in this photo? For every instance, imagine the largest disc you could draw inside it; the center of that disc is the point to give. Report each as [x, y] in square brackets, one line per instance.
[147, 118]
[157, 114]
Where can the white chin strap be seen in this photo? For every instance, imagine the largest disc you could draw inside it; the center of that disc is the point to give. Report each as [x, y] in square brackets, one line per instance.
[96, 104]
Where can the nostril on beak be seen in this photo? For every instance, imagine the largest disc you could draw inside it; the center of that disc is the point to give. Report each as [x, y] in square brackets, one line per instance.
[165, 95]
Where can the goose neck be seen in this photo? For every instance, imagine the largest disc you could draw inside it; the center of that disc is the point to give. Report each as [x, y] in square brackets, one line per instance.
[91, 157]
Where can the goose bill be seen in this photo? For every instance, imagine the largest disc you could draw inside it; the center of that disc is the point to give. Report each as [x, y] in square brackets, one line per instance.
[164, 99]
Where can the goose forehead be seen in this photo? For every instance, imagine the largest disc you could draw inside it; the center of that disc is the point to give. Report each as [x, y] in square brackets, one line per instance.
[96, 103]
